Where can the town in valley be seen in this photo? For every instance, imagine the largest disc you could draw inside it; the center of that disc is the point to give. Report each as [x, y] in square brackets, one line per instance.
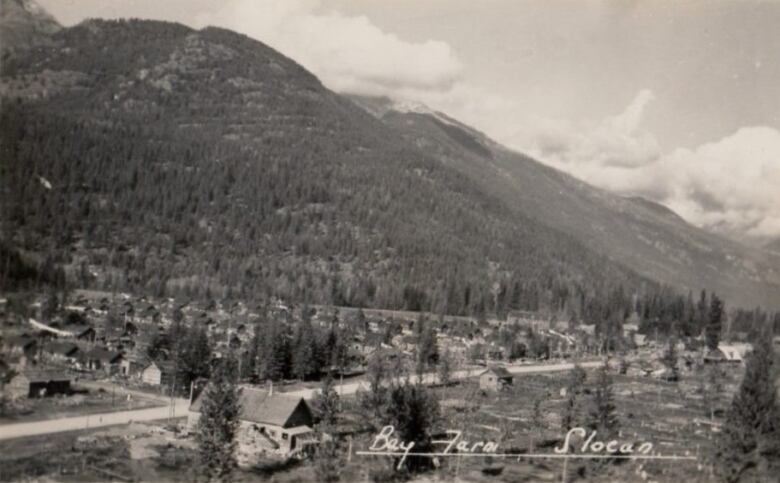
[322, 241]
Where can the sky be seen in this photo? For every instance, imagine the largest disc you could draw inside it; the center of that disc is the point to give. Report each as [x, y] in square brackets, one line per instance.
[674, 100]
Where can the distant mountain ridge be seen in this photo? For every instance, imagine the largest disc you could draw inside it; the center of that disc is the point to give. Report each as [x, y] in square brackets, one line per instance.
[202, 161]
[638, 233]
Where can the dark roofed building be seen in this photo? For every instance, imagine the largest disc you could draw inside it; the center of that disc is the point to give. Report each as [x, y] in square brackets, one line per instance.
[134, 363]
[21, 344]
[100, 358]
[82, 332]
[38, 384]
[269, 422]
[62, 350]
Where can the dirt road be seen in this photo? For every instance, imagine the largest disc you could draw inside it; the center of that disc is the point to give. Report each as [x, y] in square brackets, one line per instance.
[18, 430]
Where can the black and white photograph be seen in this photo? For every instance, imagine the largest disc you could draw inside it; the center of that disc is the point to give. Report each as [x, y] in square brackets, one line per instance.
[423, 241]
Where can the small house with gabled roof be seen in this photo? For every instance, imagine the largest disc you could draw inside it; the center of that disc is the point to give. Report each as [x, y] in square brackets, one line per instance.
[495, 379]
[272, 423]
[157, 373]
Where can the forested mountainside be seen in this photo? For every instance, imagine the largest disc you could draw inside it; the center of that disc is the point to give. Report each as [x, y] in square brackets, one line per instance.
[25, 24]
[633, 231]
[145, 155]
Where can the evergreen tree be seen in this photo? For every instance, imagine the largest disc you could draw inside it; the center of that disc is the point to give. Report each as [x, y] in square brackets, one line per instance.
[713, 388]
[305, 363]
[537, 421]
[327, 461]
[603, 413]
[276, 353]
[571, 409]
[218, 424]
[445, 369]
[669, 360]
[327, 403]
[749, 445]
[51, 306]
[427, 349]
[715, 323]
[413, 411]
[702, 311]
[373, 402]
[192, 358]
[250, 356]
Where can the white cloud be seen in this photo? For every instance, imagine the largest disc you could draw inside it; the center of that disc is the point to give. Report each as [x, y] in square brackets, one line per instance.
[731, 185]
[348, 53]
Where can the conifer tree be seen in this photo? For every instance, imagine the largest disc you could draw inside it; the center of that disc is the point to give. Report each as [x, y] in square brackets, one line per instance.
[749, 445]
[603, 413]
[445, 369]
[537, 421]
[571, 408]
[715, 323]
[374, 401]
[218, 424]
[305, 355]
[327, 403]
[276, 353]
[192, 357]
[249, 362]
[713, 387]
[327, 461]
[413, 411]
[669, 360]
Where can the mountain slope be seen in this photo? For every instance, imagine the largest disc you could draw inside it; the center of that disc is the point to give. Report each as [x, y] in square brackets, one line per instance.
[25, 24]
[147, 155]
[634, 232]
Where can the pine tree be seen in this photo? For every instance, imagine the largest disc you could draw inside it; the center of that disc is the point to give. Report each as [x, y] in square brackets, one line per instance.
[537, 421]
[193, 357]
[749, 445]
[218, 424]
[669, 360]
[306, 364]
[715, 323]
[327, 461]
[413, 411]
[249, 367]
[571, 409]
[713, 388]
[327, 403]
[277, 359]
[445, 369]
[427, 349]
[374, 401]
[603, 413]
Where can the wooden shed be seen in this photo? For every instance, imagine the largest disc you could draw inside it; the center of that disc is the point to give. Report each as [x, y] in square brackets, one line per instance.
[495, 379]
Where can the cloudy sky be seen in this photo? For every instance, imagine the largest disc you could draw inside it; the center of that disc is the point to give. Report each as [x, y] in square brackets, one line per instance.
[678, 101]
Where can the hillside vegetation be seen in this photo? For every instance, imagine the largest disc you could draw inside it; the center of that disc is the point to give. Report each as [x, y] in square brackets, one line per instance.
[146, 155]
